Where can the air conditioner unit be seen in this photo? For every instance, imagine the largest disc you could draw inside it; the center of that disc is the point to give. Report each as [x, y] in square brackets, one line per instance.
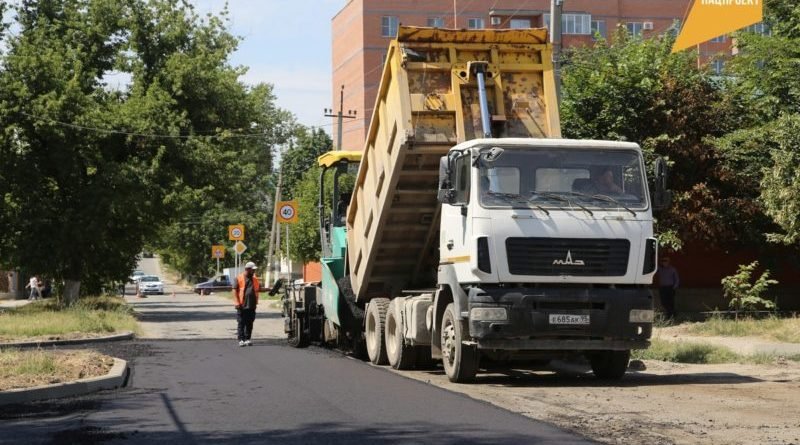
[647, 26]
[496, 21]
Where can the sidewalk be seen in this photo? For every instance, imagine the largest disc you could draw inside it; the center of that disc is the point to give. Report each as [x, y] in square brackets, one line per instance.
[11, 304]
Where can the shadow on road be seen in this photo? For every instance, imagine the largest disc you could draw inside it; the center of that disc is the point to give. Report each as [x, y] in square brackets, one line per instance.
[558, 378]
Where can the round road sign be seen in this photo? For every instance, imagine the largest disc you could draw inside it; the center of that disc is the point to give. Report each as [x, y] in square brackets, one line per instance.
[287, 211]
[236, 232]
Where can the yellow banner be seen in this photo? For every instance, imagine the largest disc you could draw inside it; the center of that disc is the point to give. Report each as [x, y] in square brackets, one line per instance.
[712, 18]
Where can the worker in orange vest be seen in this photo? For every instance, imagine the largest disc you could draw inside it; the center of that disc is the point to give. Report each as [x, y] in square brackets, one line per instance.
[245, 297]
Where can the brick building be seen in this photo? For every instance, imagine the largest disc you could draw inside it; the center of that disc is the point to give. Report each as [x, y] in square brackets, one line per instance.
[362, 30]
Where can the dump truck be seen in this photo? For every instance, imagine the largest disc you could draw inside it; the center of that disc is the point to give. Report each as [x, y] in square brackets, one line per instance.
[472, 232]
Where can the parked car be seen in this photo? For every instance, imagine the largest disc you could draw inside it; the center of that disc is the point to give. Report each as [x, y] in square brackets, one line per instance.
[151, 284]
[220, 283]
[135, 276]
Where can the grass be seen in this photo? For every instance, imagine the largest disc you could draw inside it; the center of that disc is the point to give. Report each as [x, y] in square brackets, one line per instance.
[700, 353]
[89, 316]
[23, 369]
[773, 328]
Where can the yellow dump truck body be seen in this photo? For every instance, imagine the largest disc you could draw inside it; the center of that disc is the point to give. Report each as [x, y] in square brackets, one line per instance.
[427, 103]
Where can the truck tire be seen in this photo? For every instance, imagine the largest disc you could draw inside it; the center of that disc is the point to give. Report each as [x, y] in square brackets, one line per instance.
[376, 323]
[400, 355]
[610, 365]
[460, 360]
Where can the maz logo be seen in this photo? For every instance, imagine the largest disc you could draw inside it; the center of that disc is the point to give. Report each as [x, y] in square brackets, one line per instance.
[569, 261]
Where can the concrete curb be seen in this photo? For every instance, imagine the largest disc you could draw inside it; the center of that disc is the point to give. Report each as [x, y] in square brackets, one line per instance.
[128, 335]
[115, 378]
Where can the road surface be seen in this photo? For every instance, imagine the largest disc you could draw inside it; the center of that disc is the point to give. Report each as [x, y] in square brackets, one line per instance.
[191, 383]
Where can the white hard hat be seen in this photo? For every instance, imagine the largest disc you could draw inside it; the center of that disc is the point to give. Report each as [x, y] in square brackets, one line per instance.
[250, 265]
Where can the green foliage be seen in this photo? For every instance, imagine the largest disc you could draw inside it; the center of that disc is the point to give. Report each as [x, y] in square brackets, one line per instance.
[308, 144]
[681, 352]
[745, 295]
[637, 90]
[305, 237]
[90, 174]
[773, 328]
[780, 186]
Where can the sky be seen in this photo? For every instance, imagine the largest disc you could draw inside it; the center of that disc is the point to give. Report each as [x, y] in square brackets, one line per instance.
[286, 43]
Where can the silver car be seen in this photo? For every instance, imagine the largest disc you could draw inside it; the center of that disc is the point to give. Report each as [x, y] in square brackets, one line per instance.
[151, 284]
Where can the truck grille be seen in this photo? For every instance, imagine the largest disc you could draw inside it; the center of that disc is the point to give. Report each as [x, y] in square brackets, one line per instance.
[568, 256]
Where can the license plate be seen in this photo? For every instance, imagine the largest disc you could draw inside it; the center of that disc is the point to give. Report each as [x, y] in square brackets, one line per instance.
[569, 319]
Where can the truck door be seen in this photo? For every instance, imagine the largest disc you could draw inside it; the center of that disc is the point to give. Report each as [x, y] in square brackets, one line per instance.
[454, 246]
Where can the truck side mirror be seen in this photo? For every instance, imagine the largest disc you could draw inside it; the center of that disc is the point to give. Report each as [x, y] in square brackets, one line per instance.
[662, 198]
[446, 193]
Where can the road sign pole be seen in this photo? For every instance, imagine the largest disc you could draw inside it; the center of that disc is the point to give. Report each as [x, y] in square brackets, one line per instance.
[288, 261]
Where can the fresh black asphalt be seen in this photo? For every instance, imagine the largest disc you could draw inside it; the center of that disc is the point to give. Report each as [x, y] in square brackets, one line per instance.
[212, 391]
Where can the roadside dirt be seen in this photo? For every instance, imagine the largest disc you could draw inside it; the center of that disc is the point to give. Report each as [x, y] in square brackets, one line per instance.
[665, 404]
[26, 369]
[5, 340]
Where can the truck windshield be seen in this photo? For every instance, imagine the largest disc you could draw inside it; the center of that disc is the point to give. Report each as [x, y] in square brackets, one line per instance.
[564, 177]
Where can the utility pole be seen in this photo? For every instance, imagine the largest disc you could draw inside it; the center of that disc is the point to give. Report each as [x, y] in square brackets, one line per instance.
[556, 7]
[273, 236]
[455, 15]
[351, 114]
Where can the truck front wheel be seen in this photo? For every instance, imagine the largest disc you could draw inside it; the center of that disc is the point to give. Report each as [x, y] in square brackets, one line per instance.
[610, 365]
[376, 323]
[460, 360]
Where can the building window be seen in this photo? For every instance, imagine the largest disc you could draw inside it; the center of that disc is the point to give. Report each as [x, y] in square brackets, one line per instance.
[599, 28]
[475, 23]
[635, 28]
[576, 24]
[519, 23]
[758, 28]
[580, 24]
[720, 39]
[718, 66]
[436, 22]
[389, 26]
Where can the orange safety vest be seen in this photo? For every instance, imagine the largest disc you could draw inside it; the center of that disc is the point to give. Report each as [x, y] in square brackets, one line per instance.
[238, 296]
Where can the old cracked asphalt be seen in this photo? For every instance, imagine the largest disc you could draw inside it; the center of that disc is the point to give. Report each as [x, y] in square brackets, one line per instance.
[190, 386]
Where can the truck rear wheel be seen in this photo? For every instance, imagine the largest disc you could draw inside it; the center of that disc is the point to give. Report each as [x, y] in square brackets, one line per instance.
[400, 355]
[376, 324]
[460, 360]
[610, 365]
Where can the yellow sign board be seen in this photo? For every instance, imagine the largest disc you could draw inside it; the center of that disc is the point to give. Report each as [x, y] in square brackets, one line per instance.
[239, 247]
[713, 18]
[218, 252]
[287, 212]
[236, 232]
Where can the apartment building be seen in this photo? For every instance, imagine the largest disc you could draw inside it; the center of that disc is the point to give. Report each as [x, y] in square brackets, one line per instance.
[362, 30]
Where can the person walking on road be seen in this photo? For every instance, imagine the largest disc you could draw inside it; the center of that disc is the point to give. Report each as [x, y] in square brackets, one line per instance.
[35, 294]
[668, 281]
[245, 296]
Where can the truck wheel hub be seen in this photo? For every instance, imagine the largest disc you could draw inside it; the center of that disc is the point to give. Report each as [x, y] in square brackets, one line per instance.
[449, 343]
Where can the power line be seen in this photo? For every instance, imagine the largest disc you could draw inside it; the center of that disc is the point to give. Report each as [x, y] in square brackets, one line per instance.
[218, 134]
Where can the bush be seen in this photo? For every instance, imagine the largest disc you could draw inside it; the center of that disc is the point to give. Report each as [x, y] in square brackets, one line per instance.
[745, 295]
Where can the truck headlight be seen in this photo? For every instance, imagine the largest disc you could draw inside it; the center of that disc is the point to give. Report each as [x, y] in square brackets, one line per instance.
[642, 316]
[488, 314]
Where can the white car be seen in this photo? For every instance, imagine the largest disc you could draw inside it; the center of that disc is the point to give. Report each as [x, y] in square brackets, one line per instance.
[135, 276]
[151, 284]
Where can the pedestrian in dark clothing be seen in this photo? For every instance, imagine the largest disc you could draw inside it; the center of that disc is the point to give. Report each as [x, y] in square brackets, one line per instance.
[245, 295]
[668, 281]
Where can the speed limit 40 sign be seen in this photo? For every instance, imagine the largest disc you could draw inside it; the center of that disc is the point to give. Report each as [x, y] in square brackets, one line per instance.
[287, 212]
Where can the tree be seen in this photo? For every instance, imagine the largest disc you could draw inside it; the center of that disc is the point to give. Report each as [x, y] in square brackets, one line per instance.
[634, 89]
[90, 174]
[308, 145]
[763, 153]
